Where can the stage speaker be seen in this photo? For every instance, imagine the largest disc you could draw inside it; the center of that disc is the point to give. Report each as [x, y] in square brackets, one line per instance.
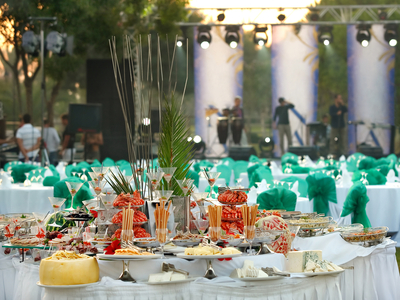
[311, 151]
[241, 152]
[368, 150]
[101, 89]
[85, 117]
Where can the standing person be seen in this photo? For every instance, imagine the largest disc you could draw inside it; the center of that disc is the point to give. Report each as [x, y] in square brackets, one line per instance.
[67, 151]
[237, 111]
[338, 128]
[281, 112]
[92, 143]
[28, 140]
[52, 141]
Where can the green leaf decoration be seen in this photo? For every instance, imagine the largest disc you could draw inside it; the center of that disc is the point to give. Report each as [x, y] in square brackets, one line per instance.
[119, 183]
[174, 150]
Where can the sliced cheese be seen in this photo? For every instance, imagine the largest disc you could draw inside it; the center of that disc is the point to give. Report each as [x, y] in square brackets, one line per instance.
[297, 260]
[178, 276]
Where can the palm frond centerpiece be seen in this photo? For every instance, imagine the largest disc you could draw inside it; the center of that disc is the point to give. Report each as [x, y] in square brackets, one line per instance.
[174, 149]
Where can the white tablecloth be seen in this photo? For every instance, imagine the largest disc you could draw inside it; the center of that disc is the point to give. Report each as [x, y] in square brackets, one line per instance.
[283, 176]
[20, 199]
[375, 276]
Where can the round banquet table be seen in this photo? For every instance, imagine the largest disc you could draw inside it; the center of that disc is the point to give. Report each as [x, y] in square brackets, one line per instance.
[20, 199]
[375, 276]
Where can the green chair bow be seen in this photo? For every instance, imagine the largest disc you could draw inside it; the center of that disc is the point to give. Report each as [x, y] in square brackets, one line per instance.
[262, 172]
[303, 186]
[228, 161]
[289, 158]
[322, 189]
[18, 172]
[367, 163]
[202, 164]
[195, 176]
[95, 164]
[240, 167]
[122, 162]
[277, 198]
[61, 190]
[353, 160]
[108, 162]
[215, 191]
[226, 173]
[374, 177]
[254, 159]
[8, 166]
[356, 203]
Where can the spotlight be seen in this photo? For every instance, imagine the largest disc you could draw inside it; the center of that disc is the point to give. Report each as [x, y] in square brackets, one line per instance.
[281, 17]
[56, 43]
[232, 37]
[260, 36]
[180, 41]
[266, 147]
[314, 16]
[30, 43]
[325, 35]
[221, 17]
[204, 36]
[363, 35]
[197, 139]
[382, 14]
[189, 139]
[391, 34]
[146, 121]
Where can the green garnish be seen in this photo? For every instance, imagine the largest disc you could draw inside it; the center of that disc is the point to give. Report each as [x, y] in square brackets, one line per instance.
[23, 217]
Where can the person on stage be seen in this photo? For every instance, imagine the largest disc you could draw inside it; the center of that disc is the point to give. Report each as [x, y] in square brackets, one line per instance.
[281, 112]
[338, 126]
[237, 111]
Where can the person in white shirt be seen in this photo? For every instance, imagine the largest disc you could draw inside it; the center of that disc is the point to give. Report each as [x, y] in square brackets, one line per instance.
[28, 140]
[52, 141]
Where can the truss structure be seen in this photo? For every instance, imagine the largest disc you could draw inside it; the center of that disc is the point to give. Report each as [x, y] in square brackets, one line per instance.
[315, 15]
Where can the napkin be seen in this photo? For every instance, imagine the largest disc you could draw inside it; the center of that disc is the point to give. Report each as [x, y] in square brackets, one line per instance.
[262, 187]
[356, 203]
[275, 170]
[391, 177]
[277, 198]
[6, 182]
[295, 188]
[345, 181]
[252, 195]
[342, 158]
[309, 163]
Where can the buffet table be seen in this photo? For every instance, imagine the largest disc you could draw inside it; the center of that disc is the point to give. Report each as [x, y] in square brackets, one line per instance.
[21, 199]
[375, 276]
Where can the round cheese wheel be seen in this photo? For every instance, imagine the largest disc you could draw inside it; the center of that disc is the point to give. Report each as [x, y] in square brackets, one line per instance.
[68, 272]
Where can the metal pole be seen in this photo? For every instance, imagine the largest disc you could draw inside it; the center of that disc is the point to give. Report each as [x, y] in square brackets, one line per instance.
[43, 87]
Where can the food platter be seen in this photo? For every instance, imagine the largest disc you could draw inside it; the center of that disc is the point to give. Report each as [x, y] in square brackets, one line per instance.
[317, 223]
[312, 274]
[186, 243]
[182, 255]
[232, 203]
[128, 257]
[366, 236]
[75, 286]
[170, 282]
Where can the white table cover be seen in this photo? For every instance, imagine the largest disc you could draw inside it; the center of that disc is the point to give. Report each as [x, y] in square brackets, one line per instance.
[20, 199]
[375, 276]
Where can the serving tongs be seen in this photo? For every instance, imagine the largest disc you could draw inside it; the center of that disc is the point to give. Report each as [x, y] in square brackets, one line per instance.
[130, 245]
[170, 267]
[272, 272]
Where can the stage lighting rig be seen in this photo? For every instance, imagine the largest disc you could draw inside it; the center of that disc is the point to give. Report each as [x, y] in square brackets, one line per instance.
[56, 43]
[31, 43]
[204, 36]
[314, 15]
[232, 36]
[260, 35]
[180, 41]
[325, 35]
[363, 35]
[391, 34]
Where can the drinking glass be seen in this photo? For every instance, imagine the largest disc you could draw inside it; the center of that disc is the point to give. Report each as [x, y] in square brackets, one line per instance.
[249, 233]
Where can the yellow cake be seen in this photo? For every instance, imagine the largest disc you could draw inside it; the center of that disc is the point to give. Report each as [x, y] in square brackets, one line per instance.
[68, 268]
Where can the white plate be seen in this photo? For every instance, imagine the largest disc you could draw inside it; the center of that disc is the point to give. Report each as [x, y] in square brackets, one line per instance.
[174, 249]
[66, 286]
[133, 257]
[170, 282]
[249, 279]
[318, 273]
[182, 255]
